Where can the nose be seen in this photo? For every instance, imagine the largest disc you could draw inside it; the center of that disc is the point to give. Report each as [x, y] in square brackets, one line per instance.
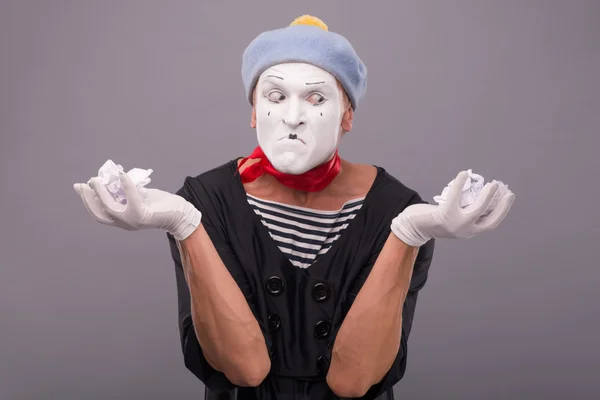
[294, 116]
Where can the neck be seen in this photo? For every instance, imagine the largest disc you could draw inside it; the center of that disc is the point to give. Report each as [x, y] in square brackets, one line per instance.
[269, 186]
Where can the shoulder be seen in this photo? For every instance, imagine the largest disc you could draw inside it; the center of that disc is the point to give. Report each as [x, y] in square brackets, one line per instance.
[392, 190]
[378, 181]
[396, 195]
[213, 191]
[213, 180]
[402, 196]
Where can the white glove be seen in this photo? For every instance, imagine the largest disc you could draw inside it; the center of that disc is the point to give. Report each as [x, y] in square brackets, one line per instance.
[158, 210]
[471, 189]
[419, 223]
[109, 175]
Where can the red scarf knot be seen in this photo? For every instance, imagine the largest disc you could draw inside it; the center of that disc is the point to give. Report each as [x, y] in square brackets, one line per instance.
[313, 180]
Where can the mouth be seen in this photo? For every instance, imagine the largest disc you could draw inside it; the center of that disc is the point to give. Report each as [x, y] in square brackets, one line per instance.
[292, 137]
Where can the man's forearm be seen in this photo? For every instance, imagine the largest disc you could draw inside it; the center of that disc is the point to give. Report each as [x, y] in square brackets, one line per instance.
[225, 326]
[369, 338]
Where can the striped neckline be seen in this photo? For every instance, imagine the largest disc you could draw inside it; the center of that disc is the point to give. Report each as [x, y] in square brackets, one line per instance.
[303, 234]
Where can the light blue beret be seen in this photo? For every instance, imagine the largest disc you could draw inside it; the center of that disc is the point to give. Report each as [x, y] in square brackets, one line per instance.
[307, 43]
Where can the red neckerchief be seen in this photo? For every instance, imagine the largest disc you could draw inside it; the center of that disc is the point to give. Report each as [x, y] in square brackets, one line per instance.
[314, 180]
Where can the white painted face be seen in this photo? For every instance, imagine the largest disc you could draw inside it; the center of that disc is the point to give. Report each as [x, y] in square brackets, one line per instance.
[298, 116]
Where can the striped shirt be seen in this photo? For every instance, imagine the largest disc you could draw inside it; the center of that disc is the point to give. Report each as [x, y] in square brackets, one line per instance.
[303, 234]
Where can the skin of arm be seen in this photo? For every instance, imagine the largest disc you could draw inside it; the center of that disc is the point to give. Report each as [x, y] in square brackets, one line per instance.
[227, 331]
[369, 338]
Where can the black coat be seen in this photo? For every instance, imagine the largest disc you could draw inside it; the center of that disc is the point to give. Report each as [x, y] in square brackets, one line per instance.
[299, 310]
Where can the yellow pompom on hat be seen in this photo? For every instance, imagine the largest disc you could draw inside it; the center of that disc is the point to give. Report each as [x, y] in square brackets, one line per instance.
[309, 20]
[307, 40]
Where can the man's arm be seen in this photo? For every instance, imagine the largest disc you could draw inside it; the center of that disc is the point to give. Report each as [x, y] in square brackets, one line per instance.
[369, 338]
[227, 331]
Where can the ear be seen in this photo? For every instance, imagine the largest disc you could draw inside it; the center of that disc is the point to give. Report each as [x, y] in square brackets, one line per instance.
[253, 118]
[347, 119]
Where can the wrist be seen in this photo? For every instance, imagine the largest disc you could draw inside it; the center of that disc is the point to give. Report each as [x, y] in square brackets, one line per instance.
[406, 232]
[401, 244]
[187, 222]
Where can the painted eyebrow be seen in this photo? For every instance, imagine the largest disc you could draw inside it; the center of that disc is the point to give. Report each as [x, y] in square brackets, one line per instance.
[274, 76]
[314, 83]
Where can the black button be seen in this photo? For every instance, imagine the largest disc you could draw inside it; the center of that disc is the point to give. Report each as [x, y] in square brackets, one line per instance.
[274, 322]
[275, 285]
[320, 292]
[322, 365]
[322, 329]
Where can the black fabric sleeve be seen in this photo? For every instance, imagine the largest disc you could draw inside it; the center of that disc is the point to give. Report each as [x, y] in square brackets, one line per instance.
[207, 201]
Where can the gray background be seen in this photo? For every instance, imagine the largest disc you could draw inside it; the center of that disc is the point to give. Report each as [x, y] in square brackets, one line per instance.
[508, 88]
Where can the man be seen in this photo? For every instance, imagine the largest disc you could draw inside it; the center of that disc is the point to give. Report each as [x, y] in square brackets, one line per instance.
[297, 271]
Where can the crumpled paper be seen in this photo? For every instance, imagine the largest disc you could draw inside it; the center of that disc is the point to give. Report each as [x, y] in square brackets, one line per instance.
[109, 175]
[471, 190]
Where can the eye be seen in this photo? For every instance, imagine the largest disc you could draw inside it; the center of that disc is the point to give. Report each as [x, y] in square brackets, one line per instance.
[275, 96]
[316, 99]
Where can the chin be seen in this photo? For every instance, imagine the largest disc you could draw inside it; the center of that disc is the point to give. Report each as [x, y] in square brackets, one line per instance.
[290, 162]
[291, 169]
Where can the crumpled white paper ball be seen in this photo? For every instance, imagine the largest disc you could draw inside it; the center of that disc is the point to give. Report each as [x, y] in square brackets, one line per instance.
[109, 175]
[471, 190]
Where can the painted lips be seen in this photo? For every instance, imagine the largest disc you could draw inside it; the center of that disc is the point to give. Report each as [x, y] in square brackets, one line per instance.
[292, 136]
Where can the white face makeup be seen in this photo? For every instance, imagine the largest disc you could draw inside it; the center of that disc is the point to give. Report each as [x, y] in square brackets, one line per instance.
[298, 116]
